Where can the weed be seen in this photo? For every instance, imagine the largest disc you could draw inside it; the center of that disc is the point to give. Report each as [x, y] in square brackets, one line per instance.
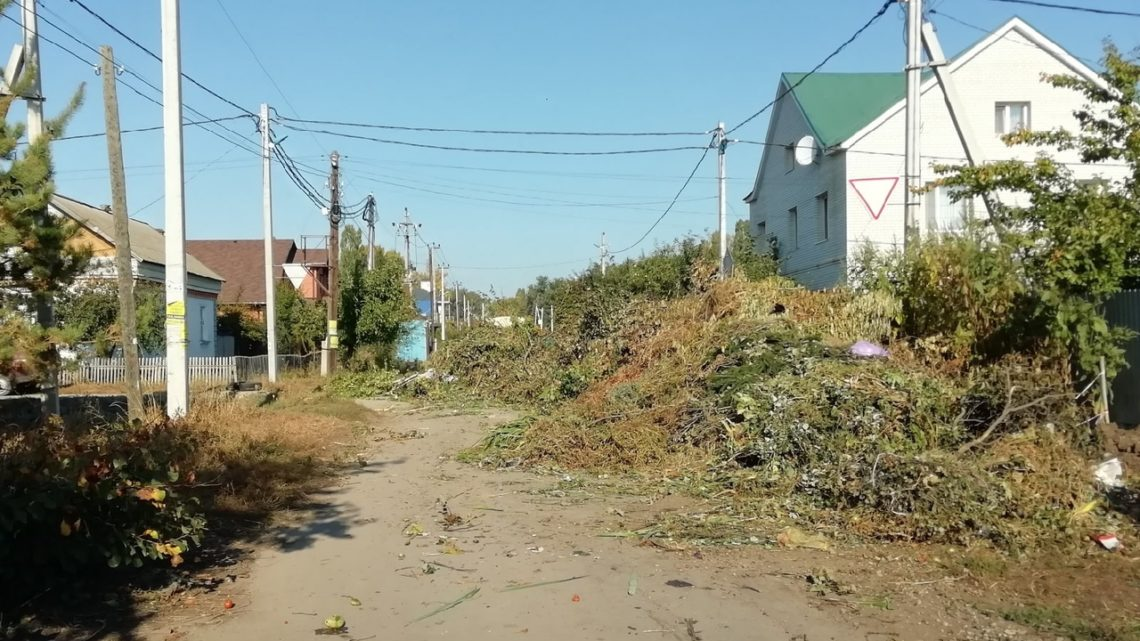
[1072, 626]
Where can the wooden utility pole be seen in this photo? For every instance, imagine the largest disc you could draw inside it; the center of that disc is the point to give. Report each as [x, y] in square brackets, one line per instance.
[333, 340]
[123, 273]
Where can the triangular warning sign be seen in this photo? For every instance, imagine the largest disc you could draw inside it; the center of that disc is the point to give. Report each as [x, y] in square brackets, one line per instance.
[875, 192]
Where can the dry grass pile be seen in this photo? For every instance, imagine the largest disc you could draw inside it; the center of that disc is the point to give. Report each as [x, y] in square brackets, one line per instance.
[748, 390]
[263, 458]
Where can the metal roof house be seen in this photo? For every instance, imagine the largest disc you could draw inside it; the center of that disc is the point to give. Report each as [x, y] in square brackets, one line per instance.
[148, 264]
[844, 189]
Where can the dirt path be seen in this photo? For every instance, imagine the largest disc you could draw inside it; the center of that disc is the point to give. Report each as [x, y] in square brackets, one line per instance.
[353, 546]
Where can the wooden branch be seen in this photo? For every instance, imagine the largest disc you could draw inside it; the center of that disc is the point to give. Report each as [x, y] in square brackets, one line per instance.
[1006, 413]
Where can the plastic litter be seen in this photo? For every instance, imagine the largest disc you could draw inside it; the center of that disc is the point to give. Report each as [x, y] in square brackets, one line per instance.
[1107, 541]
[1110, 473]
[865, 349]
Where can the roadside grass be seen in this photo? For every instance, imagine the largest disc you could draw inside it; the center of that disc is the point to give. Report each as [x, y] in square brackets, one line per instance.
[1071, 625]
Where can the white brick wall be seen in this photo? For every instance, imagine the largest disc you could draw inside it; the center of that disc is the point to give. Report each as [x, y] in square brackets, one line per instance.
[1008, 70]
[813, 260]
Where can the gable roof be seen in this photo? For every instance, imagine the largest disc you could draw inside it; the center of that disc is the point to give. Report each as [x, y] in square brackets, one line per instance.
[841, 108]
[242, 263]
[1013, 25]
[147, 243]
[836, 105]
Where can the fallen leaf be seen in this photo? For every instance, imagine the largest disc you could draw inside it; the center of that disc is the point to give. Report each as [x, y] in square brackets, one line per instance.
[64, 528]
[796, 538]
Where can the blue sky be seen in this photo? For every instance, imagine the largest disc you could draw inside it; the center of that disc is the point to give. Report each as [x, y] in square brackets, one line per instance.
[589, 65]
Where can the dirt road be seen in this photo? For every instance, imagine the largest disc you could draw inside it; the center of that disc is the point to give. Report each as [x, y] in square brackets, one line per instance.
[373, 551]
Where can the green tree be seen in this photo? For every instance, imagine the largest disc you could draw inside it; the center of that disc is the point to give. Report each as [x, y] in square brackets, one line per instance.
[746, 259]
[300, 323]
[1075, 243]
[384, 304]
[37, 252]
[91, 313]
[353, 264]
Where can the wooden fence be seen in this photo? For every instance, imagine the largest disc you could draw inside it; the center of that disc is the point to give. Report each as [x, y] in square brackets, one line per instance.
[207, 369]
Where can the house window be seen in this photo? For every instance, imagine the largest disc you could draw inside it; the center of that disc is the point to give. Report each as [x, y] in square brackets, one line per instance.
[1010, 117]
[789, 158]
[761, 232]
[794, 228]
[823, 220]
[944, 214]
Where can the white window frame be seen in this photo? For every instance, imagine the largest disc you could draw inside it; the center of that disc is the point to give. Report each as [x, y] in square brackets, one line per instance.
[944, 215]
[822, 204]
[794, 226]
[1002, 111]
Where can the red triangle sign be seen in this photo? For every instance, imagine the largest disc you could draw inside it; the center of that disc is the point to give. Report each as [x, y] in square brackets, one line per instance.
[874, 192]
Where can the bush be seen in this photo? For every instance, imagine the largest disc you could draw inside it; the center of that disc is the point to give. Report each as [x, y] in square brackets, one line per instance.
[95, 496]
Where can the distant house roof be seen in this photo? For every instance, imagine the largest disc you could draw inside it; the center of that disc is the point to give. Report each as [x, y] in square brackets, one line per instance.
[836, 105]
[147, 243]
[310, 256]
[242, 263]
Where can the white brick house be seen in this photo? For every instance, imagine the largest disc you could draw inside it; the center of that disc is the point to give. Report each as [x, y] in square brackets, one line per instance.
[852, 193]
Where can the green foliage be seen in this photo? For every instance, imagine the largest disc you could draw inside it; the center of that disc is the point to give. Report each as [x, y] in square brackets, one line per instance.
[373, 304]
[77, 499]
[1073, 244]
[91, 313]
[747, 260]
[247, 330]
[300, 323]
[363, 384]
[1072, 625]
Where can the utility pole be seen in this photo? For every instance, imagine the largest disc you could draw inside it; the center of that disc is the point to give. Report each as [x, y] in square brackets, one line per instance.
[32, 62]
[177, 366]
[267, 226]
[332, 341]
[603, 253]
[720, 141]
[431, 284]
[913, 120]
[442, 303]
[370, 218]
[45, 316]
[457, 303]
[123, 274]
[552, 317]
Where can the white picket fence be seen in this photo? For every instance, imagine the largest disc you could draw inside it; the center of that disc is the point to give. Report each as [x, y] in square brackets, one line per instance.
[208, 369]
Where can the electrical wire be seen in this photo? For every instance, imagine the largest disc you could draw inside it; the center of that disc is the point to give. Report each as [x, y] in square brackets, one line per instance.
[537, 152]
[132, 73]
[508, 132]
[100, 134]
[670, 207]
[188, 180]
[1069, 7]
[935, 12]
[875, 18]
[157, 57]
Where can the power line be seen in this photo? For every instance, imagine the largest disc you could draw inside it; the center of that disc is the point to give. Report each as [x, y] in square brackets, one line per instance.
[188, 180]
[1091, 63]
[878, 14]
[485, 150]
[670, 207]
[1069, 7]
[134, 89]
[157, 57]
[100, 134]
[508, 132]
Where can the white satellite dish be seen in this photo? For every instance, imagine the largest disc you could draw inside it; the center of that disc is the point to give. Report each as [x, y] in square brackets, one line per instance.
[805, 151]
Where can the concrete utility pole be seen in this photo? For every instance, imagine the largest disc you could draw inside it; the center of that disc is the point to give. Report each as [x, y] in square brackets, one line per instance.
[369, 216]
[603, 253]
[442, 303]
[177, 365]
[267, 226]
[721, 143]
[431, 284]
[913, 180]
[45, 316]
[332, 340]
[32, 62]
[124, 275]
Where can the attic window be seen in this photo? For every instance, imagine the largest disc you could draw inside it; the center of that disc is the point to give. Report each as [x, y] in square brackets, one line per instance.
[1010, 117]
[789, 158]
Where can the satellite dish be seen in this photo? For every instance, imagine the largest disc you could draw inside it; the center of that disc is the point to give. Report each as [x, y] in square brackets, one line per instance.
[805, 151]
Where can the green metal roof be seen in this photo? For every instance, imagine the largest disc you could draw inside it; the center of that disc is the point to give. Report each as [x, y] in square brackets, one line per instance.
[839, 104]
